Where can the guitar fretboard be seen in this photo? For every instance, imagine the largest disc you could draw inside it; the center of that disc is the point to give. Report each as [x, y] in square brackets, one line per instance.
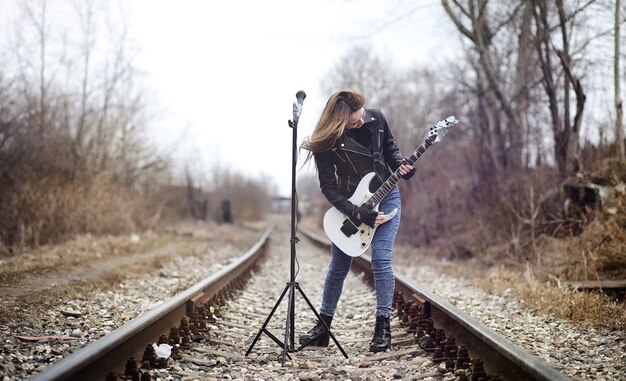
[388, 185]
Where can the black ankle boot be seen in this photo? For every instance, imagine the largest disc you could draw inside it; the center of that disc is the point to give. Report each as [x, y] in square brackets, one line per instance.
[382, 334]
[318, 336]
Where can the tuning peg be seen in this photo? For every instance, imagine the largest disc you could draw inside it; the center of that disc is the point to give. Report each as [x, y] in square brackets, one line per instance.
[451, 120]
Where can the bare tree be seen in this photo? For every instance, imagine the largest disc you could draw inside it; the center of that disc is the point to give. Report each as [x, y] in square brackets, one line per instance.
[37, 16]
[361, 69]
[480, 22]
[619, 131]
[477, 23]
[566, 131]
[29, 129]
[66, 142]
[85, 11]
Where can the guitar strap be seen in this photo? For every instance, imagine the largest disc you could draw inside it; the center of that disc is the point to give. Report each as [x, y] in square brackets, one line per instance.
[376, 148]
[379, 167]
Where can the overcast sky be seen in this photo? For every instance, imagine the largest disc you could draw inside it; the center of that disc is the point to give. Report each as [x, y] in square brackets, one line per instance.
[226, 72]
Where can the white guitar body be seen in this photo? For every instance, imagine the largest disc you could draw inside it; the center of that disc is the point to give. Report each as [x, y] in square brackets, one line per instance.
[358, 243]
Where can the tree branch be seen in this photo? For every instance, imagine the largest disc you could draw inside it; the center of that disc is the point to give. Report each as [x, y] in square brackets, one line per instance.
[462, 28]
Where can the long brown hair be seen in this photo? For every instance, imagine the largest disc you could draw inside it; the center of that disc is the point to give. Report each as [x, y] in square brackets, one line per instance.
[333, 121]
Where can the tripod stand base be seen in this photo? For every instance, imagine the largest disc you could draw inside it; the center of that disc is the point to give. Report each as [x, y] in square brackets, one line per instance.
[288, 343]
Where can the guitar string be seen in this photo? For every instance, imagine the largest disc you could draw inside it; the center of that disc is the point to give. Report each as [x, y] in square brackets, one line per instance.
[394, 178]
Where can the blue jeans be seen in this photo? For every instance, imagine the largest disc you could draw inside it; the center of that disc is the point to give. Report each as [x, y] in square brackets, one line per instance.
[382, 245]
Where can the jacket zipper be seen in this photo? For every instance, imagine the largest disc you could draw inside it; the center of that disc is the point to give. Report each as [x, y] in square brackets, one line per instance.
[380, 148]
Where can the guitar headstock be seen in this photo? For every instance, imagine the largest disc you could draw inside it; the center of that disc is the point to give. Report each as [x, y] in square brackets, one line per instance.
[438, 131]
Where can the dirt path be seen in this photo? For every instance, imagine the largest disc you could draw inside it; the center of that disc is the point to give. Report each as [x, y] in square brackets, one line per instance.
[32, 281]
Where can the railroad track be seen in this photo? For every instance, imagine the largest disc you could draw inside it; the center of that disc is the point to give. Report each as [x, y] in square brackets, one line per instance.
[213, 324]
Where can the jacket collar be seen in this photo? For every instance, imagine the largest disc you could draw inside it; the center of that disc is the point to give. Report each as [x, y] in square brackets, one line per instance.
[369, 121]
[369, 117]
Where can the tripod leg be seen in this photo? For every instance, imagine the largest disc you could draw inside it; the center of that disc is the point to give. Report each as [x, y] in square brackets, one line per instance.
[267, 321]
[320, 319]
[289, 324]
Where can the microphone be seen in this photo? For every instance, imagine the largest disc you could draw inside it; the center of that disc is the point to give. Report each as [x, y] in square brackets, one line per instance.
[297, 106]
[300, 95]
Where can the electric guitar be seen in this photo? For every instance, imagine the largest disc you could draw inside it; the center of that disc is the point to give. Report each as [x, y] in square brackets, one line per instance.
[354, 238]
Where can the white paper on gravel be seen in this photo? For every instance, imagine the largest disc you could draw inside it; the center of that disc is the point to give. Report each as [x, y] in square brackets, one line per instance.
[162, 351]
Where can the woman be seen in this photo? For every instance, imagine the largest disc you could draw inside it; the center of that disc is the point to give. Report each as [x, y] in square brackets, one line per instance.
[348, 142]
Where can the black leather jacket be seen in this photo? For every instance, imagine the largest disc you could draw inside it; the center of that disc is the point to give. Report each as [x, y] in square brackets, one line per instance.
[341, 168]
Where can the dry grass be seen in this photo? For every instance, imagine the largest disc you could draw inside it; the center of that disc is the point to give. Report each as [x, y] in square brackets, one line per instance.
[537, 271]
[598, 253]
[583, 309]
[543, 294]
[50, 210]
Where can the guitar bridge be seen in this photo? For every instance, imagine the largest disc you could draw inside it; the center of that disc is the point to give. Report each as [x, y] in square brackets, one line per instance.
[348, 228]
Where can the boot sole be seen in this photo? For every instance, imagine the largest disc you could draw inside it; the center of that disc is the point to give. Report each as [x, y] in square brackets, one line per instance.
[315, 343]
[377, 350]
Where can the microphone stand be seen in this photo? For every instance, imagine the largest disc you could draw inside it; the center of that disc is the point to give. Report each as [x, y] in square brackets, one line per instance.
[292, 285]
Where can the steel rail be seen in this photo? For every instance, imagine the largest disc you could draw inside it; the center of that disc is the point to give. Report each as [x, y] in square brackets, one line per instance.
[499, 355]
[110, 353]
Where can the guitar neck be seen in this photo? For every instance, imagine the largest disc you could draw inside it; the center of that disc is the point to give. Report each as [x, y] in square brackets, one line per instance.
[388, 185]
